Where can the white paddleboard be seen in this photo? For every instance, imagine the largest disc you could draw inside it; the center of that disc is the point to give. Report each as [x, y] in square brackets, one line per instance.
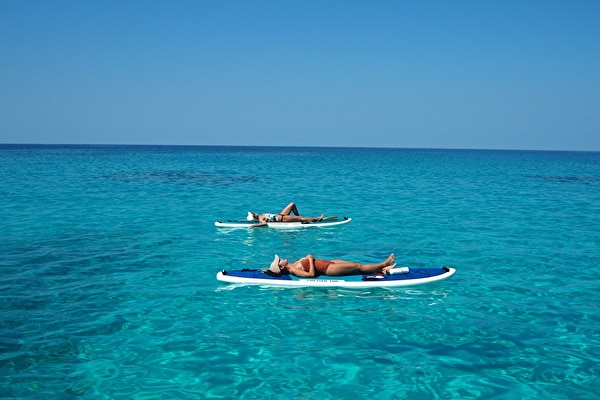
[284, 225]
[413, 277]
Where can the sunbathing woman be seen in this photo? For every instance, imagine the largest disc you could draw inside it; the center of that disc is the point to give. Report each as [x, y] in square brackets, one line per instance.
[284, 216]
[309, 267]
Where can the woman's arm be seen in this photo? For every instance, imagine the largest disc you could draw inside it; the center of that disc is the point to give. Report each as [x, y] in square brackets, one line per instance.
[311, 265]
[298, 270]
[262, 221]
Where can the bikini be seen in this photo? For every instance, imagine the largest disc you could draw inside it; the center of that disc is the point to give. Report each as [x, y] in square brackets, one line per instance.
[320, 265]
[272, 217]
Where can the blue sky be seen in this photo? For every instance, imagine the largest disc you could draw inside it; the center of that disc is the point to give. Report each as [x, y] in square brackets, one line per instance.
[420, 74]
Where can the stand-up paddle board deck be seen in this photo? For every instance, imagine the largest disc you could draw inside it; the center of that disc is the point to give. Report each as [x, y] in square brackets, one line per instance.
[414, 276]
[284, 225]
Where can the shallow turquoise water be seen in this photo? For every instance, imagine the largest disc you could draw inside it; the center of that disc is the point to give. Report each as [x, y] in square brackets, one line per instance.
[109, 256]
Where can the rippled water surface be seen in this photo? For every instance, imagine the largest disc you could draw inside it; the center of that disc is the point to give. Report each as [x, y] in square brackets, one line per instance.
[109, 255]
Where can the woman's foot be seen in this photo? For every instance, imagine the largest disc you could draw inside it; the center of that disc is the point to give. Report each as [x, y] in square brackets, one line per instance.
[389, 260]
[388, 263]
[385, 270]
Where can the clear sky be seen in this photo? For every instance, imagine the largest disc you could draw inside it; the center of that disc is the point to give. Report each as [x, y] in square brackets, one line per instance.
[474, 74]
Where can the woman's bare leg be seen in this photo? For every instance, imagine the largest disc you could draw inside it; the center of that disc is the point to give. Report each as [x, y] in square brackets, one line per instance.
[289, 209]
[297, 218]
[342, 267]
[285, 215]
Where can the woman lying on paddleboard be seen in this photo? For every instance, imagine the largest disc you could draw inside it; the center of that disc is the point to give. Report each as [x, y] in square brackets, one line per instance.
[284, 216]
[310, 267]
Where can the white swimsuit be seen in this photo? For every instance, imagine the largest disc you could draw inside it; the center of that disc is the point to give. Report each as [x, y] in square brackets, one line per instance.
[270, 217]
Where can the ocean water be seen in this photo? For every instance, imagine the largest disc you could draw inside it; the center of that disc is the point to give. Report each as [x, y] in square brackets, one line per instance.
[109, 254]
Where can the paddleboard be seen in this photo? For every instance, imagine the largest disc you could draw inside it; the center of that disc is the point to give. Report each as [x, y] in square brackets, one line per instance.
[412, 277]
[285, 225]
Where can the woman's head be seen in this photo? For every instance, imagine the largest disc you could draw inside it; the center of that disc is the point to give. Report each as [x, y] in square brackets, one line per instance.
[278, 265]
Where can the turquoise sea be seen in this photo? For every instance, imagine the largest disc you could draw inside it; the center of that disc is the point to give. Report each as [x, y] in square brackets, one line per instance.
[109, 254]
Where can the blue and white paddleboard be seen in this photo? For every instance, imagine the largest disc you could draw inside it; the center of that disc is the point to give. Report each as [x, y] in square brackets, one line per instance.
[284, 225]
[408, 277]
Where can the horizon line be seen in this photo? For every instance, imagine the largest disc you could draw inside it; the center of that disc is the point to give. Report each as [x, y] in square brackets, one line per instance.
[286, 146]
